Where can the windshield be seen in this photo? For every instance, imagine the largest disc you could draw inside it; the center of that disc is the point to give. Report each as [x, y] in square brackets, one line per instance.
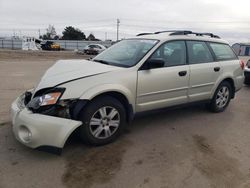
[126, 53]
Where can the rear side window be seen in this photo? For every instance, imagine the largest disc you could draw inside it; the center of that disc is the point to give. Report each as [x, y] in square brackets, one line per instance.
[222, 51]
[198, 52]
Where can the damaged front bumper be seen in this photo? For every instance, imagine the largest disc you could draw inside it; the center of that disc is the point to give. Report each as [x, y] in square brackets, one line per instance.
[38, 130]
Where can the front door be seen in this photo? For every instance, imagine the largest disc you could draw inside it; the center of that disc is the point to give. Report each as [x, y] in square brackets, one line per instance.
[167, 85]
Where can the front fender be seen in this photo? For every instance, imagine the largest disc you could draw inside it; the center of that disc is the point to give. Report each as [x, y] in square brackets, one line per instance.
[104, 88]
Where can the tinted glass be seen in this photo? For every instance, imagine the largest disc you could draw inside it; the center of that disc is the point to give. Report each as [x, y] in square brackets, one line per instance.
[127, 52]
[198, 52]
[222, 51]
[172, 53]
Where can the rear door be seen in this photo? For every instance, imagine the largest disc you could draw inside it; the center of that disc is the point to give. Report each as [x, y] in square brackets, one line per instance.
[204, 71]
[164, 86]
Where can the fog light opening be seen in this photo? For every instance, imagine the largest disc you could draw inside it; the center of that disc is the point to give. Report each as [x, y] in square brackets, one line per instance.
[24, 134]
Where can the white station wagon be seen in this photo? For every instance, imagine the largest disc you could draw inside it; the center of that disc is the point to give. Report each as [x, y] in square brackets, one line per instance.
[98, 97]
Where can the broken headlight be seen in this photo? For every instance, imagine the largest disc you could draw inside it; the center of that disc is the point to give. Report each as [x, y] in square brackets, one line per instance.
[45, 100]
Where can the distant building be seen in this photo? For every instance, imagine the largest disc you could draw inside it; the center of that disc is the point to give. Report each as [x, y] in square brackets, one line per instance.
[242, 49]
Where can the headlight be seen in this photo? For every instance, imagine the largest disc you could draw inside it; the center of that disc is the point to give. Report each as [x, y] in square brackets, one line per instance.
[44, 100]
[49, 99]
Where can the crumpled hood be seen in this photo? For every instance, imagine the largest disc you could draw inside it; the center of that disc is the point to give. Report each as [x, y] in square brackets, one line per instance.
[68, 70]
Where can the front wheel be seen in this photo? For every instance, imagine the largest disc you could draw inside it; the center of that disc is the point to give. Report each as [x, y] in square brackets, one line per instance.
[103, 120]
[222, 97]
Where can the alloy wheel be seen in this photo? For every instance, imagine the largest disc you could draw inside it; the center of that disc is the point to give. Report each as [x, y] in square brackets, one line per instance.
[105, 122]
[222, 97]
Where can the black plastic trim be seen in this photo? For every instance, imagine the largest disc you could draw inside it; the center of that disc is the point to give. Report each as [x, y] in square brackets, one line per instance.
[76, 109]
[50, 149]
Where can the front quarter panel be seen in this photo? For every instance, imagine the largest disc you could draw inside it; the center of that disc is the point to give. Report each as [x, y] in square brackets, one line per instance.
[122, 81]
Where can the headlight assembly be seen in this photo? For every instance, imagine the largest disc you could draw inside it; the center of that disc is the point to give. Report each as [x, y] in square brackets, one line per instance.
[45, 100]
[49, 99]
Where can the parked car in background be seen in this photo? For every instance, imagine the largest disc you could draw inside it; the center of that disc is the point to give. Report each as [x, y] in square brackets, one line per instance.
[94, 49]
[147, 72]
[50, 45]
[247, 73]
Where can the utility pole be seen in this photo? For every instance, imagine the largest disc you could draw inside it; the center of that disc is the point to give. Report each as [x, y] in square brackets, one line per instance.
[39, 33]
[117, 32]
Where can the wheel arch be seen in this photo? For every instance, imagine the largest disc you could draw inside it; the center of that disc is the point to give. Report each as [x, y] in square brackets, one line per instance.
[230, 81]
[123, 99]
[120, 93]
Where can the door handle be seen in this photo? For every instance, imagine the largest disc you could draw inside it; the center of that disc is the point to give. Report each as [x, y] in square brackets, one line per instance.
[216, 69]
[183, 73]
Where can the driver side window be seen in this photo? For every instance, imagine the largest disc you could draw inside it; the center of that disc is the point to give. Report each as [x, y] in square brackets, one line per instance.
[172, 53]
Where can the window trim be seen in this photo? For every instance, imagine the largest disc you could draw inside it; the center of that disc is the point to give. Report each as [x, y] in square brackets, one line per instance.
[144, 67]
[224, 59]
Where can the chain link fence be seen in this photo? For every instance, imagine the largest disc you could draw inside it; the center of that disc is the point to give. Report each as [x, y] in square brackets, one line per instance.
[16, 44]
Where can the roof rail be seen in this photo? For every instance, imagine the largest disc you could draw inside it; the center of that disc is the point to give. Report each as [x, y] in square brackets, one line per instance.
[194, 33]
[181, 32]
[174, 31]
[141, 34]
[211, 35]
[167, 31]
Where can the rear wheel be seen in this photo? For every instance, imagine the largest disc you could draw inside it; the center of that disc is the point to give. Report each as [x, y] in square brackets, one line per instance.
[222, 97]
[247, 81]
[103, 121]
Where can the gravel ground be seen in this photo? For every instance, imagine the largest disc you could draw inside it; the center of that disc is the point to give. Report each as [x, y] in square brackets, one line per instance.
[188, 147]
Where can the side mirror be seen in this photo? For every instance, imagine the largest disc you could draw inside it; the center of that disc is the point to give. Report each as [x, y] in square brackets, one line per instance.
[154, 63]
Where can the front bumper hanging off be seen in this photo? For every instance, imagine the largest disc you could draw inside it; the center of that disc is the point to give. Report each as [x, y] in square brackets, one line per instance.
[36, 130]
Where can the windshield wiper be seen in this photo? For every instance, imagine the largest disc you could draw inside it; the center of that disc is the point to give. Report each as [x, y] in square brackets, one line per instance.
[101, 61]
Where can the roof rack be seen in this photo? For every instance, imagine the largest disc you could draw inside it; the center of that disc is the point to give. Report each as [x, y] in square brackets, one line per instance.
[194, 33]
[168, 31]
[141, 34]
[181, 32]
[172, 31]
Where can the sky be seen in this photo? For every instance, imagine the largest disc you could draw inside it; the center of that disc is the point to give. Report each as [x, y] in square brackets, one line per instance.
[228, 18]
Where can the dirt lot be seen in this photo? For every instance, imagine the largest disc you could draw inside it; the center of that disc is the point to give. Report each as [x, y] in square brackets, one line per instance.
[188, 147]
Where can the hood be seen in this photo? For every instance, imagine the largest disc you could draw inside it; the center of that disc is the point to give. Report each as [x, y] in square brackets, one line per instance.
[69, 70]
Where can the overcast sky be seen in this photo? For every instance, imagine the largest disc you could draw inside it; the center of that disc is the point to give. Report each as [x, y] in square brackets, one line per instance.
[228, 18]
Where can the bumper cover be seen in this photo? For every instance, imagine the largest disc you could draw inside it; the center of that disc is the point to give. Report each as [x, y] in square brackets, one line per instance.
[37, 130]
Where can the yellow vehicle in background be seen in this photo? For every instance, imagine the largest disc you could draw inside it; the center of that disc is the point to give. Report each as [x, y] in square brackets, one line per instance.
[50, 45]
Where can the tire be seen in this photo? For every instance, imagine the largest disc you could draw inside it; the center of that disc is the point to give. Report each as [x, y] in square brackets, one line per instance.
[247, 81]
[221, 98]
[104, 120]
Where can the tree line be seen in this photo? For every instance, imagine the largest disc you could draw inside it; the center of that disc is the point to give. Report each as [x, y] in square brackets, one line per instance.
[69, 33]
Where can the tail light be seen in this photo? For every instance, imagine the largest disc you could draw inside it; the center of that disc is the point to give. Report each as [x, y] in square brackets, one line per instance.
[242, 64]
